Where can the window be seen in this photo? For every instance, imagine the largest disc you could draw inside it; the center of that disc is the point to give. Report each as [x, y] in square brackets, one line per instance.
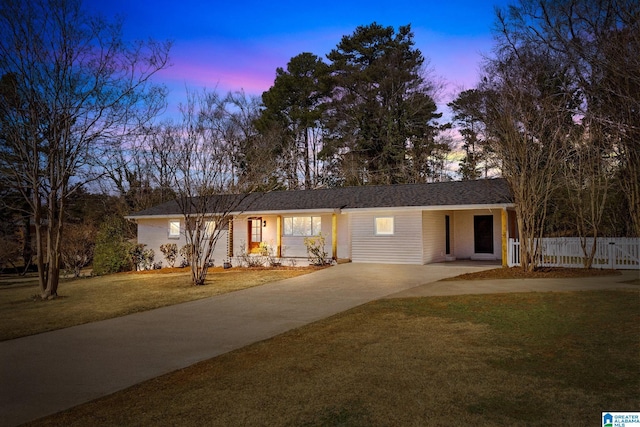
[174, 229]
[255, 230]
[383, 226]
[209, 228]
[302, 226]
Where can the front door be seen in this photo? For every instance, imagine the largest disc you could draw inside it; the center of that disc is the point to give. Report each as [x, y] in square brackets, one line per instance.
[255, 234]
[483, 234]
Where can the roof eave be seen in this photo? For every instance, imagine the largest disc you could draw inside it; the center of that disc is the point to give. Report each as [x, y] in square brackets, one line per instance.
[338, 211]
[290, 211]
[434, 207]
[249, 213]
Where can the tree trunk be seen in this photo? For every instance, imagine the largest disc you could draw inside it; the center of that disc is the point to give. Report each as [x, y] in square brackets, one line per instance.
[527, 243]
[40, 259]
[53, 274]
[199, 272]
[27, 249]
[307, 166]
[588, 256]
[54, 238]
[40, 248]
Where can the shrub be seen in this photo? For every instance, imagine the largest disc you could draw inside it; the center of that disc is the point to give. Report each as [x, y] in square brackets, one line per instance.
[141, 258]
[170, 252]
[248, 260]
[186, 253]
[269, 253]
[111, 253]
[315, 250]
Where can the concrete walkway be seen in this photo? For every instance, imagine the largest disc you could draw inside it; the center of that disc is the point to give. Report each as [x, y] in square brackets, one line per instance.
[50, 372]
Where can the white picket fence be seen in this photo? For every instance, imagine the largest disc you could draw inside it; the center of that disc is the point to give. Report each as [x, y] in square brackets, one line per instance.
[618, 253]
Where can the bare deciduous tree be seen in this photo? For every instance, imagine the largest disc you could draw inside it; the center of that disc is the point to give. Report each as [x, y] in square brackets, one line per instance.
[588, 176]
[76, 86]
[527, 127]
[203, 177]
[77, 247]
[598, 44]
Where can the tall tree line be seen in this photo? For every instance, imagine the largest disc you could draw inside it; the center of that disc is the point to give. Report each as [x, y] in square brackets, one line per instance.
[366, 116]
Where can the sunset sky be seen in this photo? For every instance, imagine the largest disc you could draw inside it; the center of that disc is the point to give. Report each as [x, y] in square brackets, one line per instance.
[235, 45]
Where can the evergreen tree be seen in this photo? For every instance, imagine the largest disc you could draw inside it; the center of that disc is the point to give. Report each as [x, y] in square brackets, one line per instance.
[292, 111]
[380, 121]
[467, 115]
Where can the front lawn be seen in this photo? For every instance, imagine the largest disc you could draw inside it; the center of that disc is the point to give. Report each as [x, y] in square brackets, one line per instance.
[91, 299]
[507, 359]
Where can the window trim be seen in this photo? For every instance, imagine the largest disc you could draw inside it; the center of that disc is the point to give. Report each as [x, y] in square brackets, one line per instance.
[171, 235]
[376, 230]
[292, 234]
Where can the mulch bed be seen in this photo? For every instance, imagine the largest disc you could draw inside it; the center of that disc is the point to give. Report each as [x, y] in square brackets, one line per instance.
[171, 270]
[540, 273]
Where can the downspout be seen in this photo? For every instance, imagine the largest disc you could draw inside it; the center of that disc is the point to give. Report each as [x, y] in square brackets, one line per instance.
[279, 236]
[230, 239]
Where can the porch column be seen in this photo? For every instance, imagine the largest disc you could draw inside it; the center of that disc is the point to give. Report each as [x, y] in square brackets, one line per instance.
[334, 236]
[230, 239]
[504, 218]
[279, 236]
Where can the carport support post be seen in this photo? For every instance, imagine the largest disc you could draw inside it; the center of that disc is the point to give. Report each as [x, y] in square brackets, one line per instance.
[279, 236]
[503, 215]
[334, 236]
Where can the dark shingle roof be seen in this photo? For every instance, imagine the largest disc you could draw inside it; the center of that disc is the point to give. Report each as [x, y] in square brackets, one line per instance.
[454, 193]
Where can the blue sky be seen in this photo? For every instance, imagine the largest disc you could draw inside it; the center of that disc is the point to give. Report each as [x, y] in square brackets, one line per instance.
[235, 45]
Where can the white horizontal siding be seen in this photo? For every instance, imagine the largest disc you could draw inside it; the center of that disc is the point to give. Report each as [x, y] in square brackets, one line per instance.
[434, 235]
[403, 247]
[155, 232]
[220, 251]
[240, 235]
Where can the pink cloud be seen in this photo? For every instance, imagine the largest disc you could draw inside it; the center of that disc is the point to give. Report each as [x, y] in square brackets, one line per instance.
[229, 66]
[242, 64]
[250, 65]
[196, 76]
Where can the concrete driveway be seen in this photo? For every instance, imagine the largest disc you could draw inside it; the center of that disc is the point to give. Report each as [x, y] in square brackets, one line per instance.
[46, 373]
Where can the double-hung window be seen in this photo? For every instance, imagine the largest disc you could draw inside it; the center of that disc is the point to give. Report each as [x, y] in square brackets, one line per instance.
[302, 226]
[384, 226]
[174, 228]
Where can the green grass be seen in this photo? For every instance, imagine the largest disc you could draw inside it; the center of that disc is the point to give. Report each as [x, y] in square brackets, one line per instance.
[547, 333]
[509, 359]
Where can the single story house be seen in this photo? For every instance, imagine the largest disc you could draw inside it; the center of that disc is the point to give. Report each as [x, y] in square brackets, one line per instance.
[410, 224]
